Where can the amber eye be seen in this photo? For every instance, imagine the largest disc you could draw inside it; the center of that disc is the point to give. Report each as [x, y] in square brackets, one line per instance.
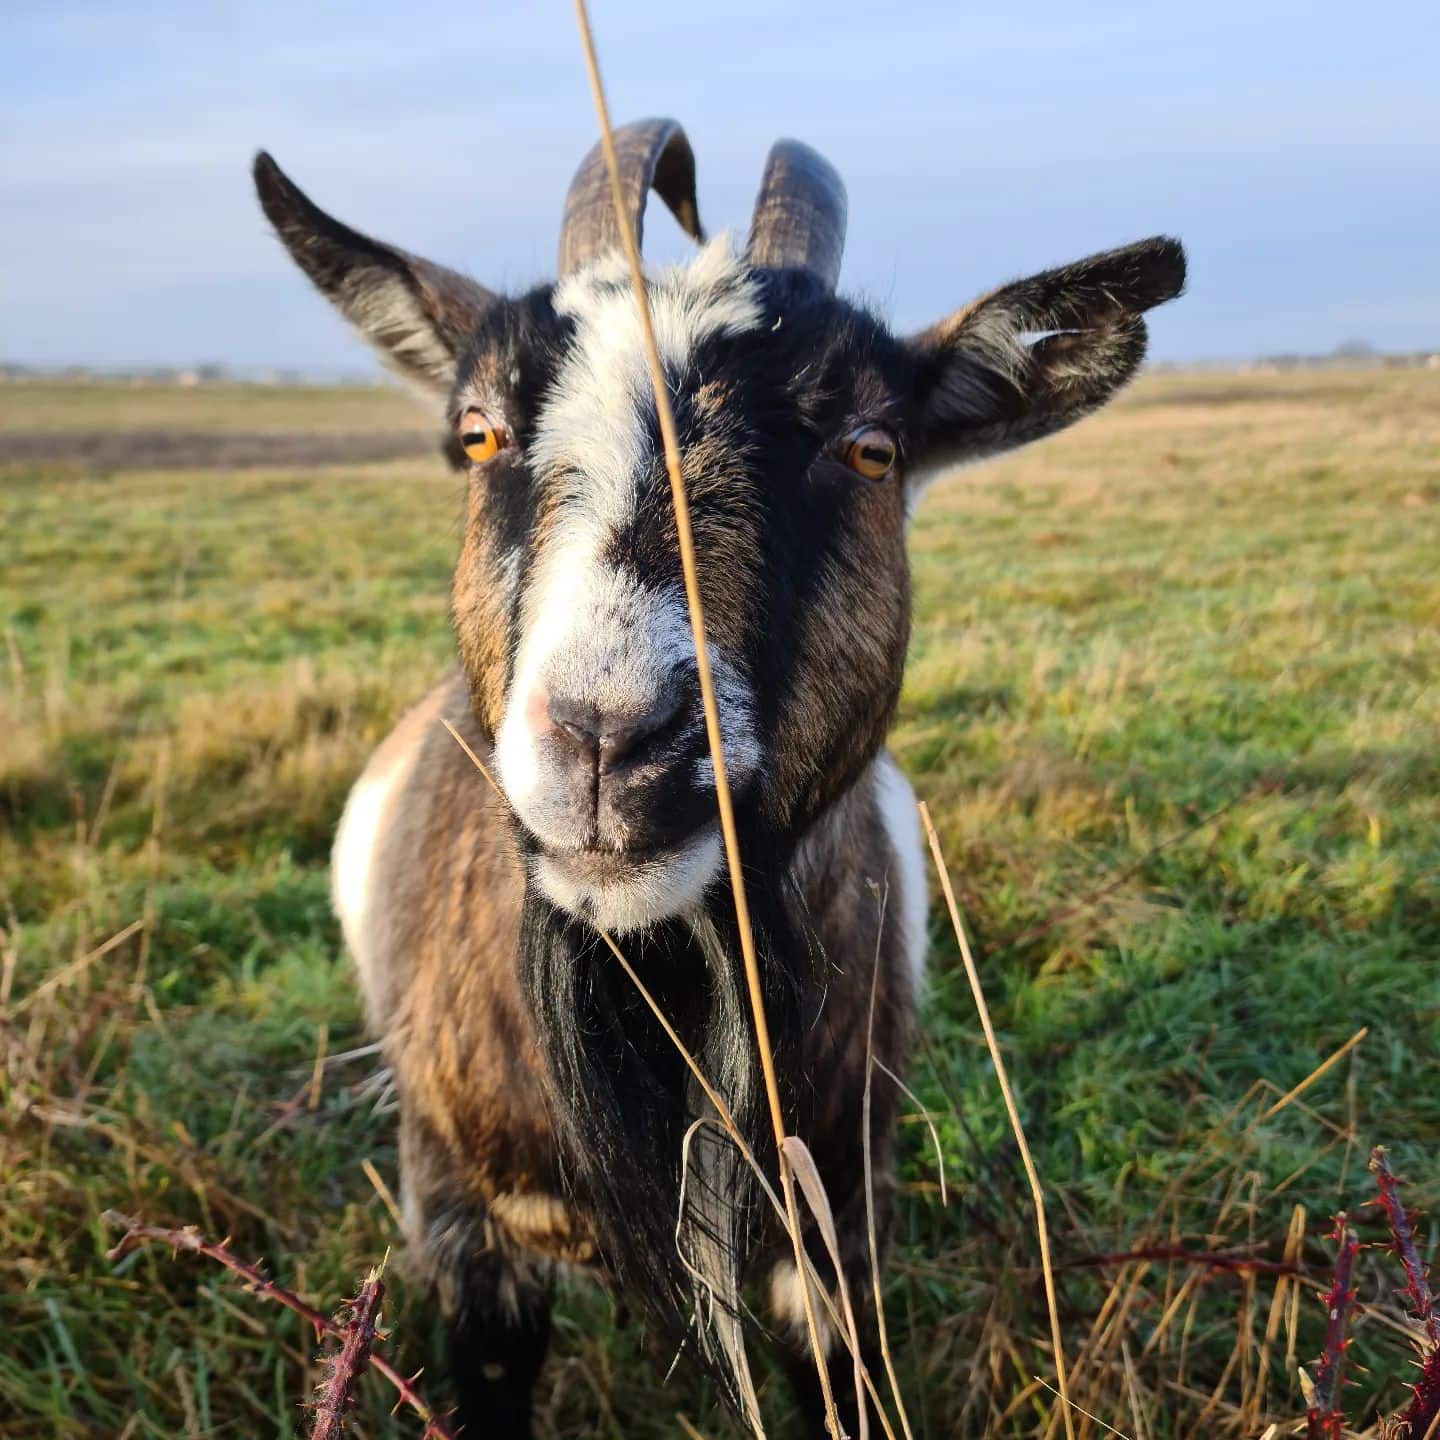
[871, 452]
[480, 438]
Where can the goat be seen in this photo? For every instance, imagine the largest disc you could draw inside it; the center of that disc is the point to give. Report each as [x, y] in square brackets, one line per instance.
[543, 1111]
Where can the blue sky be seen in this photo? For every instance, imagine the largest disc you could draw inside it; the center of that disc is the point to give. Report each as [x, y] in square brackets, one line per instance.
[1294, 147]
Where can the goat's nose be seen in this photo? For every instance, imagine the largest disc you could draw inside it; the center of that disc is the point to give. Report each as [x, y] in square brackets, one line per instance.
[610, 741]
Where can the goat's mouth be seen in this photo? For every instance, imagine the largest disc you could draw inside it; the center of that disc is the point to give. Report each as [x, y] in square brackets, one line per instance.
[610, 864]
[602, 864]
[627, 888]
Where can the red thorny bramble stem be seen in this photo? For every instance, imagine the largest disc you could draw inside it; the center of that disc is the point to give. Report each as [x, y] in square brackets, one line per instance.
[333, 1400]
[1325, 1420]
[1421, 1418]
[189, 1238]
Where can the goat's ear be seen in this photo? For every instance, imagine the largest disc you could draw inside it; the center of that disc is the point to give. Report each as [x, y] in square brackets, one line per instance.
[1036, 355]
[419, 316]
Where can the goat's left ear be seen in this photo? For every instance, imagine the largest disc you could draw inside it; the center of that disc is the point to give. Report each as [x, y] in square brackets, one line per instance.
[418, 315]
[1036, 355]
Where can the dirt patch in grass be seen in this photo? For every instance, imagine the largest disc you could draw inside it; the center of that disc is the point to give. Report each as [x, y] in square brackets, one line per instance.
[116, 450]
[1258, 393]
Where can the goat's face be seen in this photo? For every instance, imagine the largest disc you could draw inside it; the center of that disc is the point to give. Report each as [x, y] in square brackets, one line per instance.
[569, 599]
[805, 431]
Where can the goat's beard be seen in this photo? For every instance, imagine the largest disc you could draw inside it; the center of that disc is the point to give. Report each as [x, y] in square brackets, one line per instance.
[674, 1207]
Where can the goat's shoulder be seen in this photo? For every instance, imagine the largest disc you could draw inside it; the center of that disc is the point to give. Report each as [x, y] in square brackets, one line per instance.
[430, 890]
[426, 882]
[860, 885]
[380, 807]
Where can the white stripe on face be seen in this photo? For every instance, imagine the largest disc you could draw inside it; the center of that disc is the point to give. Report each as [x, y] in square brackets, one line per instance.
[597, 421]
[589, 630]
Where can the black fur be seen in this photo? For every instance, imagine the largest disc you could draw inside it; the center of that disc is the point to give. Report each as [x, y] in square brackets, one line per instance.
[622, 1098]
[498, 1336]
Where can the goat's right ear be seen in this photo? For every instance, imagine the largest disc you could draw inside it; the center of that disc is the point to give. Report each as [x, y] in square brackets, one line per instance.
[1038, 354]
[419, 316]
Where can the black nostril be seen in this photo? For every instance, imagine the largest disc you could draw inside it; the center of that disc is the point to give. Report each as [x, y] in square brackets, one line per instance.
[578, 724]
[629, 740]
[613, 740]
[586, 741]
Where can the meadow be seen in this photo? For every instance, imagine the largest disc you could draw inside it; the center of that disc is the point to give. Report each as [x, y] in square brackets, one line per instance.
[1173, 698]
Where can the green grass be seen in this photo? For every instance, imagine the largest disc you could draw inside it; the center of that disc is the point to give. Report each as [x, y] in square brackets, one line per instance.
[1220, 596]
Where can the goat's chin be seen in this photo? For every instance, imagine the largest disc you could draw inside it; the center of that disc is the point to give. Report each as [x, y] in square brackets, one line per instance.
[621, 893]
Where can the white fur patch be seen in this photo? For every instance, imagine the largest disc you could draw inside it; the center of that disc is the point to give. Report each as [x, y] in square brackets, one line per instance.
[354, 862]
[652, 891]
[592, 633]
[908, 901]
[353, 859]
[787, 1306]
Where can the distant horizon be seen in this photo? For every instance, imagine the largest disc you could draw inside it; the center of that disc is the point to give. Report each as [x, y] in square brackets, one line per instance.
[1355, 353]
[1294, 147]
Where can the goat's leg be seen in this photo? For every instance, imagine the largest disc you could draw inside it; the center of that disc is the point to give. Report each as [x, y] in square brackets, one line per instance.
[499, 1329]
[798, 1358]
[494, 1298]
[809, 1400]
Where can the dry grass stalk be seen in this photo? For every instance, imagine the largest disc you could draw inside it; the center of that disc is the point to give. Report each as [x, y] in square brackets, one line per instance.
[868, 1162]
[1037, 1194]
[1294, 1244]
[680, 500]
[1297, 1090]
[152, 860]
[189, 1238]
[1093, 1361]
[317, 1073]
[474, 759]
[74, 969]
[802, 1164]
[334, 1400]
[1132, 1391]
[1283, 1283]
[377, 1183]
[923, 1115]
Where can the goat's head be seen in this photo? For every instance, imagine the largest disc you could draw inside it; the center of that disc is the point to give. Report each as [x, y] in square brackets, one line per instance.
[807, 430]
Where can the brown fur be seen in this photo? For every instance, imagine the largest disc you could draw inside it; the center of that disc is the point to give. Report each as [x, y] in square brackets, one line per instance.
[475, 1133]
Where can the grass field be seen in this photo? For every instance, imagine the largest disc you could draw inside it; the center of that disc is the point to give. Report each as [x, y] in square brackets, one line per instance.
[1174, 698]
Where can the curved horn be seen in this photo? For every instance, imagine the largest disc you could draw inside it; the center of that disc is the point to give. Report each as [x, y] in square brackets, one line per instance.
[653, 154]
[799, 220]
